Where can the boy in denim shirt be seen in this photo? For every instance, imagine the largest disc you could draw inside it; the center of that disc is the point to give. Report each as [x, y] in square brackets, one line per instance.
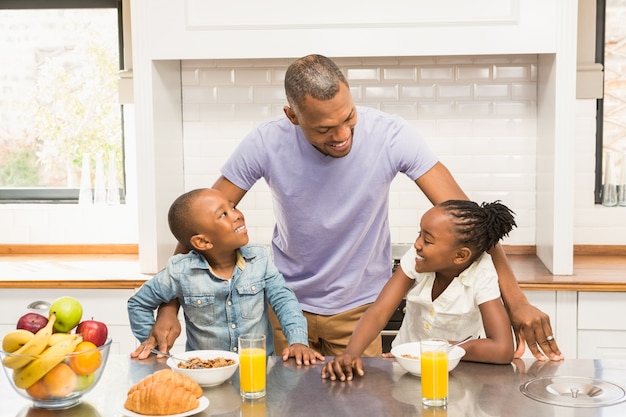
[222, 283]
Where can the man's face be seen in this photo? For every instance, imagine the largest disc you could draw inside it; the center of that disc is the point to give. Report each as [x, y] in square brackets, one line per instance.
[328, 125]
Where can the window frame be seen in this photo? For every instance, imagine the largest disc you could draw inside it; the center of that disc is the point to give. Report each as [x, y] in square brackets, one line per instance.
[54, 195]
[600, 40]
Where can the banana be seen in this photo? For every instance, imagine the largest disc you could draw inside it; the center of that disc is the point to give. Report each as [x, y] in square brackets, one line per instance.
[15, 339]
[51, 357]
[59, 337]
[34, 346]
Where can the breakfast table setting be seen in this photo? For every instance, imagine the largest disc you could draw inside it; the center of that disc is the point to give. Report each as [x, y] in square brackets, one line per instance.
[386, 389]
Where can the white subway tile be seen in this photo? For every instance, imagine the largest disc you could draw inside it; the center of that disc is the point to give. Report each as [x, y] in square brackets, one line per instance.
[511, 72]
[483, 91]
[525, 90]
[217, 112]
[363, 74]
[417, 92]
[258, 112]
[266, 95]
[473, 73]
[442, 73]
[256, 76]
[403, 74]
[217, 76]
[199, 94]
[405, 110]
[190, 76]
[234, 94]
[459, 91]
[381, 93]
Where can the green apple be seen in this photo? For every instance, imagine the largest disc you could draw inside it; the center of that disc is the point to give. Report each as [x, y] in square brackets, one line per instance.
[84, 381]
[68, 311]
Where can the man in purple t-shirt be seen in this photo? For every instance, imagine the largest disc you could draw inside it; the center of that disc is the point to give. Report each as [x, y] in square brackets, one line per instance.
[329, 166]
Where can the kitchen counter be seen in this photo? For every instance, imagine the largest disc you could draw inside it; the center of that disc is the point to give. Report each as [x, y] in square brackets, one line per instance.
[591, 272]
[385, 390]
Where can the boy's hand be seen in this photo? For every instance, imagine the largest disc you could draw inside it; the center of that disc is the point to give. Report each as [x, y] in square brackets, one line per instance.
[341, 367]
[303, 354]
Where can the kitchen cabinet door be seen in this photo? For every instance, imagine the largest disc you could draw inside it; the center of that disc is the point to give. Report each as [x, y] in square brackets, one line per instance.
[601, 325]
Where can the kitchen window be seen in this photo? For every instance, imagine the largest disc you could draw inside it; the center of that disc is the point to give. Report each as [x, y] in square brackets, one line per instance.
[60, 117]
[611, 109]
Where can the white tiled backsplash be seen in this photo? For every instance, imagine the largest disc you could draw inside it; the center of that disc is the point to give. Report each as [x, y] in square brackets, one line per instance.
[477, 113]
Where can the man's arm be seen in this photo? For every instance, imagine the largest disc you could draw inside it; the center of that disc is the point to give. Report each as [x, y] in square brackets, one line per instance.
[529, 323]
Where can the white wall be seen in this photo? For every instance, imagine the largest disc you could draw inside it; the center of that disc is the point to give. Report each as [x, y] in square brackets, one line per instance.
[478, 114]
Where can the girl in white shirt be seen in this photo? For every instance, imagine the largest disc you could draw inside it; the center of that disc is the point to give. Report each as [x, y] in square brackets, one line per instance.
[450, 285]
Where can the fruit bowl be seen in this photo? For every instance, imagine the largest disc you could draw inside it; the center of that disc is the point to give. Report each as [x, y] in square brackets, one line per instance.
[206, 377]
[57, 380]
[412, 364]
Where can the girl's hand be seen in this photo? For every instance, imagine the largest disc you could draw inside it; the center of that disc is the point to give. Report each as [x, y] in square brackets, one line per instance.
[341, 367]
[303, 354]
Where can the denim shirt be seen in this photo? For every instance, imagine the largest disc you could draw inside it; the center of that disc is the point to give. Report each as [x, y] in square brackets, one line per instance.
[217, 311]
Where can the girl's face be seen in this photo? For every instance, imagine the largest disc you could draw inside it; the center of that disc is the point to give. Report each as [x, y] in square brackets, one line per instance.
[436, 245]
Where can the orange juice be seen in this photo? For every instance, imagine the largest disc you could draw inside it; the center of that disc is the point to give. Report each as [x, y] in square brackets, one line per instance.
[434, 375]
[252, 370]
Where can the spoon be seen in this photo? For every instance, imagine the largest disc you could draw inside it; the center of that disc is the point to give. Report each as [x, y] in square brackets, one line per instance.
[458, 343]
[167, 355]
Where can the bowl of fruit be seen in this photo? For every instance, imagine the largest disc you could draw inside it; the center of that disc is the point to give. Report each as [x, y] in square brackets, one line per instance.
[55, 360]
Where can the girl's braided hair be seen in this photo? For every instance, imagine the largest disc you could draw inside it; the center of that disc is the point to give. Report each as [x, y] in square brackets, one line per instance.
[479, 227]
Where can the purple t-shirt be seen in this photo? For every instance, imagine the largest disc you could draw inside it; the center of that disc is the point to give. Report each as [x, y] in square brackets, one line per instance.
[331, 240]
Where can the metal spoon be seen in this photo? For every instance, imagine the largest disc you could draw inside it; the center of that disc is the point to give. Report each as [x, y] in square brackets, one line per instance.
[167, 355]
[458, 343]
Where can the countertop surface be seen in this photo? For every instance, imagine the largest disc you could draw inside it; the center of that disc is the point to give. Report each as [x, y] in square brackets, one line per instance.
[386, 390]
[591, 272]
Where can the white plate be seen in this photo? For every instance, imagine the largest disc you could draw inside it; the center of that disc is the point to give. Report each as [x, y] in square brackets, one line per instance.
[204, 403]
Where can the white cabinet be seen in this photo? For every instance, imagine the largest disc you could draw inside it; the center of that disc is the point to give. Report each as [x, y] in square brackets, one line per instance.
[105, 305]
[602, 325]
[197, 29]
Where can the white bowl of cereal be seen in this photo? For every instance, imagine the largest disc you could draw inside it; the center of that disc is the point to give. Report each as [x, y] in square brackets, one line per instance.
[214, 366]
[408, 356]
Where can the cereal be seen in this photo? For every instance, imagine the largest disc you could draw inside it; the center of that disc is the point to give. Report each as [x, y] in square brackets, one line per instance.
[206, 363]
[408, 356]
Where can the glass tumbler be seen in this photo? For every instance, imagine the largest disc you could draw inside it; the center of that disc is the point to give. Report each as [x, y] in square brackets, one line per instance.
[609, 182]
[434, 370]
[621, 198]
[252, 365]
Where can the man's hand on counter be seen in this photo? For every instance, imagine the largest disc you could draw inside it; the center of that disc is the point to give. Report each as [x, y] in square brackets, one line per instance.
[164, 333]
[532, 327]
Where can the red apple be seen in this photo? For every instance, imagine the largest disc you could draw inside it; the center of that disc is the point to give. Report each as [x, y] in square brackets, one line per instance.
[93, 331]
[32, 322]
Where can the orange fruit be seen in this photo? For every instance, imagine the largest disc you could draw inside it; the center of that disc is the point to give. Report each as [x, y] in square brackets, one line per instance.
[39, 390]
[86, 358]
[60, 381]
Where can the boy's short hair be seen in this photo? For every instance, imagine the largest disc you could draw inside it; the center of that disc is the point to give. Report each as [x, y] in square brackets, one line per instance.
[182, 223]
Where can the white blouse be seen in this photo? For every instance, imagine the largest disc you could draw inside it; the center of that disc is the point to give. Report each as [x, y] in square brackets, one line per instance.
[454, 315]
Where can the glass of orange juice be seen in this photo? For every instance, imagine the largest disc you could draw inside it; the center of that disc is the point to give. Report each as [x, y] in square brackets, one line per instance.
[252, 365]
[434, 370]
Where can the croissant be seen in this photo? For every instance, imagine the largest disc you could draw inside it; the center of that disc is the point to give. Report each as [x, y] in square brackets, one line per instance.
[175, 378]
[160, 398]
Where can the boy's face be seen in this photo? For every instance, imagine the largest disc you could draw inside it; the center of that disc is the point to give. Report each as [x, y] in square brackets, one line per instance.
[436, 245]
[218, 221]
